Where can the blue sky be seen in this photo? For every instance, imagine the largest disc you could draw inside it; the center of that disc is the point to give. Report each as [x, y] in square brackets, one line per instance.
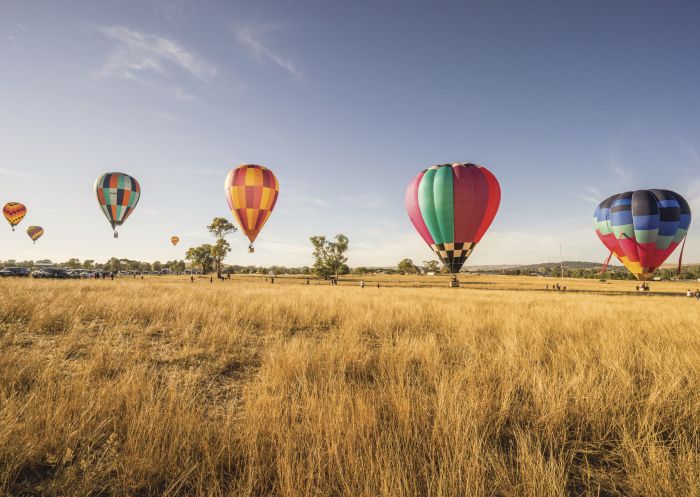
[565, 102]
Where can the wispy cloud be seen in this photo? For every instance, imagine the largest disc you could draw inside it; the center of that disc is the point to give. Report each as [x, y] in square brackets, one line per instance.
[365, 200]
[690, 151]
[252, 37]
[623, 174]
[306, 198]
[591, 195]
[137, 52]
[16, 174]
[149, 60]
[200, 172]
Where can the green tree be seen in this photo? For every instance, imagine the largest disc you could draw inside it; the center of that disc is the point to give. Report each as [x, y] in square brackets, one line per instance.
[431, 266]
[407, 266]
[113, 265]
[329, 257]
[220, 228]
[201, 255]
[157, 266]
[72, 263]
[218, 253]
[88, 264]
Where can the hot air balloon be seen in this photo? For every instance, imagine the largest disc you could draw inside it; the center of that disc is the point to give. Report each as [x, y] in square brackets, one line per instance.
[451, 206]
[251, 193]
[642, 228]
[14, 213]
[174, 240]
[35, 232]
[118, 194]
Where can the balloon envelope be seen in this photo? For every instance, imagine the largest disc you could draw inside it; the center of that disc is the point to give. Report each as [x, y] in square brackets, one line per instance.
[251, 193]
[451, 206]
[35, 232]
[14, 212]
[174, 240]
[642, 228]
[117, 194]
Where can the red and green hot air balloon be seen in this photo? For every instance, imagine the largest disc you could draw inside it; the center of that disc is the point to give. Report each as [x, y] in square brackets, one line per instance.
[451, 206]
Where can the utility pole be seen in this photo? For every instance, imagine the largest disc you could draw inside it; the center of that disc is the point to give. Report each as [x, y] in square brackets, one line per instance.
[561, 260]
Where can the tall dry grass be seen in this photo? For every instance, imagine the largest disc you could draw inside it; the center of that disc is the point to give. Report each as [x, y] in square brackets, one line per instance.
[163, 387]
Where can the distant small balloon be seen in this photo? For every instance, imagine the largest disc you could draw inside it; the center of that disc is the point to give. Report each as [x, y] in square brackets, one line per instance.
[174, 240]
[35, 232]
[14, 212]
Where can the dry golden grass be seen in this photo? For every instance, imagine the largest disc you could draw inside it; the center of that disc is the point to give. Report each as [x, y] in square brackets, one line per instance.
[241, 388]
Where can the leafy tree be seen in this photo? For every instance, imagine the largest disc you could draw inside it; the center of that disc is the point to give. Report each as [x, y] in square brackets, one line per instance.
[329, 257]
[407, 266]
[113, 265]
[201, 255]
[157, 266]
[218, 253]
[72, 263]
[88, 264]
[431, 266]
[220, 228]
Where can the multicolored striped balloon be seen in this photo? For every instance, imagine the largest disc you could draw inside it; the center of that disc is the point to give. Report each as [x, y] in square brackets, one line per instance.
[251, 193]
[117, 194]
[642, 228]
[14, 212]
[35, 232]
[174, 240]
[451, 206]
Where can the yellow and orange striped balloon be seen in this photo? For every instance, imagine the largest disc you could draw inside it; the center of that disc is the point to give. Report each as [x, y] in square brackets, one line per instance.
[174, 240]
[14, 212]
[251, 193]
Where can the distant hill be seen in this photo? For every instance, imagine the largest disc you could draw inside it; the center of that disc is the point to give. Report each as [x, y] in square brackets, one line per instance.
[535, 267]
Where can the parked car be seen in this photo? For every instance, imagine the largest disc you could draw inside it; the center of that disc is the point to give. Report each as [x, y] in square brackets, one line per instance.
[50, 272]
[14, 271]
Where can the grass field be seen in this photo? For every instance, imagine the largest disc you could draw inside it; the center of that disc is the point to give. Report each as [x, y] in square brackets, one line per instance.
[243, 388]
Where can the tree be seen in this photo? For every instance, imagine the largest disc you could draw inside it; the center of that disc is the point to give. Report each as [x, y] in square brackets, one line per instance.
[113, 265]
[157, 266]
[72, 263]
[218, 253]
[407, 266]
[88, 264]
[201, 255]
[220, 228]
[431, 266]
[329, 256]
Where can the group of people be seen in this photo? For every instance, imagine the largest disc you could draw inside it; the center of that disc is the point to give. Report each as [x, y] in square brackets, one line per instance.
[556, 287]
[644, 287]
[695, 294]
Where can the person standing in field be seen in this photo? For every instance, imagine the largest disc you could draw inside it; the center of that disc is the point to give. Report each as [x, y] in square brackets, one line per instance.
[362, 283]
[689, 293]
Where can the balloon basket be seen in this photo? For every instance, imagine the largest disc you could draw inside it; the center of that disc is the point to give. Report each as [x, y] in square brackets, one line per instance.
[251, 249]
[116, 235]
[454, 282]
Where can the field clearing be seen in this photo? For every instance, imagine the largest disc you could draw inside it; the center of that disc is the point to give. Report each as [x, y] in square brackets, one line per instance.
[488, 282]
[165, 387]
